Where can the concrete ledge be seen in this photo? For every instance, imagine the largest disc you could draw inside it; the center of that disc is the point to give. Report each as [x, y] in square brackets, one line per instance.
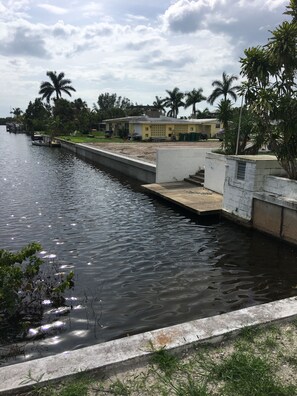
[143, 171]
[279, 200]
[125, 353]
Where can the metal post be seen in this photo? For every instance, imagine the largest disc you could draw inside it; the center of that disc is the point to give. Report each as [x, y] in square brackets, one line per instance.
[239, 126]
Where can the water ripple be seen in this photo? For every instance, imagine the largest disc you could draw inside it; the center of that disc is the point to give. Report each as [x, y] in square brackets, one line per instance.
[138, 263]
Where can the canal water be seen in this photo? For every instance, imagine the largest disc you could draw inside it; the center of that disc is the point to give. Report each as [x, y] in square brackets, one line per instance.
[139, 263]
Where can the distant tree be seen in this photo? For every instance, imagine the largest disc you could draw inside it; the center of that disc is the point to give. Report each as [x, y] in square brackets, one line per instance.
[174, 101]
[17, 112]
[206, 113]
[107, 101]
[225, 113]
[193, 97]
[113, 106]
[57, 86]
[82, 116]
[63, 121]
[224, 88]
[36, 116]
[159, 104]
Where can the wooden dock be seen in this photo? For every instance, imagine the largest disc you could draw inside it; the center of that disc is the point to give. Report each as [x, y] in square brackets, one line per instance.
[194, 198]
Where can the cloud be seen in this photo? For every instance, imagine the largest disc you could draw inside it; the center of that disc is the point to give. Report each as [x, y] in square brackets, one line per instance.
[53, 9]
[185, 16]
[136, 18]
[62, 30]
[2, 8]
[98, 30]
[137, 49]
[92, 9]
[263, 4]
[24, 43]
[136, 46]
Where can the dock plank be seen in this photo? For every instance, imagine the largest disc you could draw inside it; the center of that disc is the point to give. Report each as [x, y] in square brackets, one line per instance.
[194, 198]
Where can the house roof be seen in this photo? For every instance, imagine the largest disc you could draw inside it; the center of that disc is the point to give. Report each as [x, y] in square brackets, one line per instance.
[161, 120]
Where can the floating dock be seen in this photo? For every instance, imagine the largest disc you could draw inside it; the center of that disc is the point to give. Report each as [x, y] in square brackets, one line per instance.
[194, 198]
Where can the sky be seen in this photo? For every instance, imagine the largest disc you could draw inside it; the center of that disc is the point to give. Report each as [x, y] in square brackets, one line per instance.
[135, 48]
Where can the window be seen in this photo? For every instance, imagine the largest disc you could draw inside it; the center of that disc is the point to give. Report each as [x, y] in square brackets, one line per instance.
[218, 125]
[241, 166]
[158, 131]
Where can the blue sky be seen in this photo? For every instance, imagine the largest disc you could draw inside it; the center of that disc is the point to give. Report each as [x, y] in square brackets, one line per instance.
[136, 48]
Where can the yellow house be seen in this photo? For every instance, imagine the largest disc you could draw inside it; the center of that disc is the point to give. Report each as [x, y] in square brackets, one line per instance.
[162, 128]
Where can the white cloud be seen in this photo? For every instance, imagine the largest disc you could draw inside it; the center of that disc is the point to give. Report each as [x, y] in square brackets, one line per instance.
[136, 18]
[2, 8]
[53, 9]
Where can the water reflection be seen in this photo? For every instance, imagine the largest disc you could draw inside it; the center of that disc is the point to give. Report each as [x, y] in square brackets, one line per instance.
[139, 263]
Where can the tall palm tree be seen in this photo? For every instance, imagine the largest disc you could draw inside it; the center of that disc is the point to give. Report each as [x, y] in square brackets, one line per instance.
[224, 88]
[174, 101]
[194, 97]
[159, 104]
[57, 85]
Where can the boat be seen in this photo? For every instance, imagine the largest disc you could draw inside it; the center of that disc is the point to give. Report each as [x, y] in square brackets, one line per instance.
[13, 127]
[44, 140]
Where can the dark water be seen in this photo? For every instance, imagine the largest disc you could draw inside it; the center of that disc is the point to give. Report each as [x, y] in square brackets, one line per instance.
[139, 264]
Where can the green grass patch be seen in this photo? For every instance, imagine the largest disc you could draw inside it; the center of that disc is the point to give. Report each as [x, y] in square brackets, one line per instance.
[97, 138]
[245, 374]
[165, 361]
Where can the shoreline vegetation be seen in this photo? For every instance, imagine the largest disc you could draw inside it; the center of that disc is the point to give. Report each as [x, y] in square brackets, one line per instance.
[260, 361]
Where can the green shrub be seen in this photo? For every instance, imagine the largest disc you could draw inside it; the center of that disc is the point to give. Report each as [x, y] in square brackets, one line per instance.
[25, 282]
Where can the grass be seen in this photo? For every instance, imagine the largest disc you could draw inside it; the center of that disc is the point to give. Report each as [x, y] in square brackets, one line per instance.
[258, 362]
[94, 137]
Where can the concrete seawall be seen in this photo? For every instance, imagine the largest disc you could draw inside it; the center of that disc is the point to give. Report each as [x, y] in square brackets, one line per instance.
[119, 355]
[139, 170]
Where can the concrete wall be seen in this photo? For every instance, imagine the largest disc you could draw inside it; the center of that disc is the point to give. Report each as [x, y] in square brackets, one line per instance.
[239, 194]
[215, 171]
[276, 220]
[281, 186]
[176, 164]
[139, 170]
[275, 208]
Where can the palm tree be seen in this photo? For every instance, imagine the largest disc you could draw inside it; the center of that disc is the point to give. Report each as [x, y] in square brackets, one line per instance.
[224, 113]
[57, 85]
[17, 112]
[159, 104]
[174, 101]
[224, 88]
[193, 97]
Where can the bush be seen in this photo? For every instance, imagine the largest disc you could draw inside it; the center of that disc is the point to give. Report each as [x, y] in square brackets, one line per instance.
[25, 282]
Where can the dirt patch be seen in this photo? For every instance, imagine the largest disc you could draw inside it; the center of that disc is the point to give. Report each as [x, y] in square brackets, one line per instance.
[148, 151]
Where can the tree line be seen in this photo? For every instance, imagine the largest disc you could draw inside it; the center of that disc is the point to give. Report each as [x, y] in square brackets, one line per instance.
[52, 112]
[268, 112]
